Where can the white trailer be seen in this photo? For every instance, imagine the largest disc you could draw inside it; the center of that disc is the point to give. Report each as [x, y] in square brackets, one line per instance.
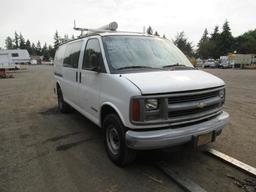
[243, 60]
[6, 61]
[19, 56]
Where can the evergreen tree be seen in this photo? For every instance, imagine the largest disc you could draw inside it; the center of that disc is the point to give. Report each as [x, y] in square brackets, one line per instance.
[22, 42]
[28, 46]
[16, 40]
[246, 43]
[215, 35]
[45, 53]
[215, 43]
[204, 46]
[150, 30]
[33, 49]
[164, 36]
[156, 33]
[8, 43]
[56, 40]
[66, 38]
[226, 40]
[38, 48]
[183, 44]
[51, 51]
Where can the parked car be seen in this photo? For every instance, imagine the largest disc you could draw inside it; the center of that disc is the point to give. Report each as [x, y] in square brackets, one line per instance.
[141, 90]
[210, 63]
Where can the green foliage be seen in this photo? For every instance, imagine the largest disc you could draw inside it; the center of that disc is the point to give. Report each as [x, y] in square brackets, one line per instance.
[227, 41]
[28, 46]
[150, 30]
[183, 44]
[16, 40]
[56, 40]
[45, 53]
[51, 51]
[218, 44]
[156, 34]
[38, 48]
[8, 43]
[33, 49]
[22, 44]
[246, 43]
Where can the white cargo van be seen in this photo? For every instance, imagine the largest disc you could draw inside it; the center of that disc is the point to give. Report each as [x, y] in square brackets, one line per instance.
[141, 90]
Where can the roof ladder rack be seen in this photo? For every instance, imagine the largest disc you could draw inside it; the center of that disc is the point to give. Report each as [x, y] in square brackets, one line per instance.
[106, 28]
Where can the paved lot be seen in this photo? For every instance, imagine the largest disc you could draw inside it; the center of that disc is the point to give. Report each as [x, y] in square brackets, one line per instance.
[44, 150]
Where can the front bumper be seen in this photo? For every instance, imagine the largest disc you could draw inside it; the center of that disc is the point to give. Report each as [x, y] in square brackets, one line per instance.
[157, 139]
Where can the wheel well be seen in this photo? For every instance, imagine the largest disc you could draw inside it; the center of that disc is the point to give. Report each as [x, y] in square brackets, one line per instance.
[105, 110]
[57, 86]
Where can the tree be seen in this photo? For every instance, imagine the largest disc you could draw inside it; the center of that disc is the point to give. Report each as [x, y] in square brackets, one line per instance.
[150, 30]
[45, 53]
[22, 42]
[33, 49]
[204, 46]
[164, 36]
[246, 43]
[8, 43]
[28, 46]
[156, 34]
[226, 40]
[215, 43]
[16, 40]
[56, 40]
[183, 44]
[38, 48]
[51, 51]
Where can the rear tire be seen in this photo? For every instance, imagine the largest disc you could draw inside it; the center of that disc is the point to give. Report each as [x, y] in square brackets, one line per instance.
[115, 144]
[62, 105]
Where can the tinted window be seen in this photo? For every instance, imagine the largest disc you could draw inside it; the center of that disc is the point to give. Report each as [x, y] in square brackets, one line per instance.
[15, 55]
[71, 56]
[60, 53]
[93, 50]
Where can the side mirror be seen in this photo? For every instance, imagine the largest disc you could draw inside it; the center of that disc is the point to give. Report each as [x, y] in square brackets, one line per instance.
[95, 63]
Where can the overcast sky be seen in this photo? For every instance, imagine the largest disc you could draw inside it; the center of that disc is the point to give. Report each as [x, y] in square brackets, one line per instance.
[38, 20]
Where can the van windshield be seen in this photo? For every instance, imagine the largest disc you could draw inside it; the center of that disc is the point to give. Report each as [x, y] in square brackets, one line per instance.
[142, 53]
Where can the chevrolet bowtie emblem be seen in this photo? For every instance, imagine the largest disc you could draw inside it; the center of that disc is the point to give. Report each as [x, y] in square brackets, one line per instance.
[201, 105]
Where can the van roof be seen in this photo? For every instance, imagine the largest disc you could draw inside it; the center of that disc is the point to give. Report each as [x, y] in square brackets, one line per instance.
[111, 33]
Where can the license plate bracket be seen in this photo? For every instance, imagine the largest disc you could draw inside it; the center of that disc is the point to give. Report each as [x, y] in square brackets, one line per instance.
[204, 139]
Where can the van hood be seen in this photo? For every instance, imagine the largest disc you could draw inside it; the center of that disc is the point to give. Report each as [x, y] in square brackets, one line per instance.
[173, 81]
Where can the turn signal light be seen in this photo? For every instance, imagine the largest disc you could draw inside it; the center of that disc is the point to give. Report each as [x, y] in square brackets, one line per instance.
[136, 110]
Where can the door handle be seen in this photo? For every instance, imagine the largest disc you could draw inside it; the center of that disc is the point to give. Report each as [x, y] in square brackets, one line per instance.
[76, 76]
[80, 77]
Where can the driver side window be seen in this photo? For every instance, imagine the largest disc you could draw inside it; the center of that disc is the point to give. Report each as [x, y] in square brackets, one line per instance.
[93, 56]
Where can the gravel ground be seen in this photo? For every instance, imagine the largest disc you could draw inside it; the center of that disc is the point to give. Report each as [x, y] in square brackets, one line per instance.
[44, 150]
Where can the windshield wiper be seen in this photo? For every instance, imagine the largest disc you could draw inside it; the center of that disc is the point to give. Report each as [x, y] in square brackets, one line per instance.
[177, 65]
[133, 67]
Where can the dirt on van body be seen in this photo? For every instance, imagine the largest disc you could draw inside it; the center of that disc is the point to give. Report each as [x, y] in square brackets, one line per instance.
[44, 150]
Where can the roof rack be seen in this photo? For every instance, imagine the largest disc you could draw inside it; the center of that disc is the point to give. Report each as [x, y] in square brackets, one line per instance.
[111, 27]
[106, 28]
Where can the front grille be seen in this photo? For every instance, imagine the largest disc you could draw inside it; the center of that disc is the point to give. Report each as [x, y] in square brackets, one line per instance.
[192, 111]
[194, 105]
[196, 97]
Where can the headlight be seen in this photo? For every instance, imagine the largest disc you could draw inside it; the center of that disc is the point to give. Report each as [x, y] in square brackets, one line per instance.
[151, 104]
[222, 93]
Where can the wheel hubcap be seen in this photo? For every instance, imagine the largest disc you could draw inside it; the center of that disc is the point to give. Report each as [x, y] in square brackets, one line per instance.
[113, 140]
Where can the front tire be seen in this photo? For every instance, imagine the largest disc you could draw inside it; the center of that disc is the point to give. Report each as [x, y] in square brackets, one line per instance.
[115, 144]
